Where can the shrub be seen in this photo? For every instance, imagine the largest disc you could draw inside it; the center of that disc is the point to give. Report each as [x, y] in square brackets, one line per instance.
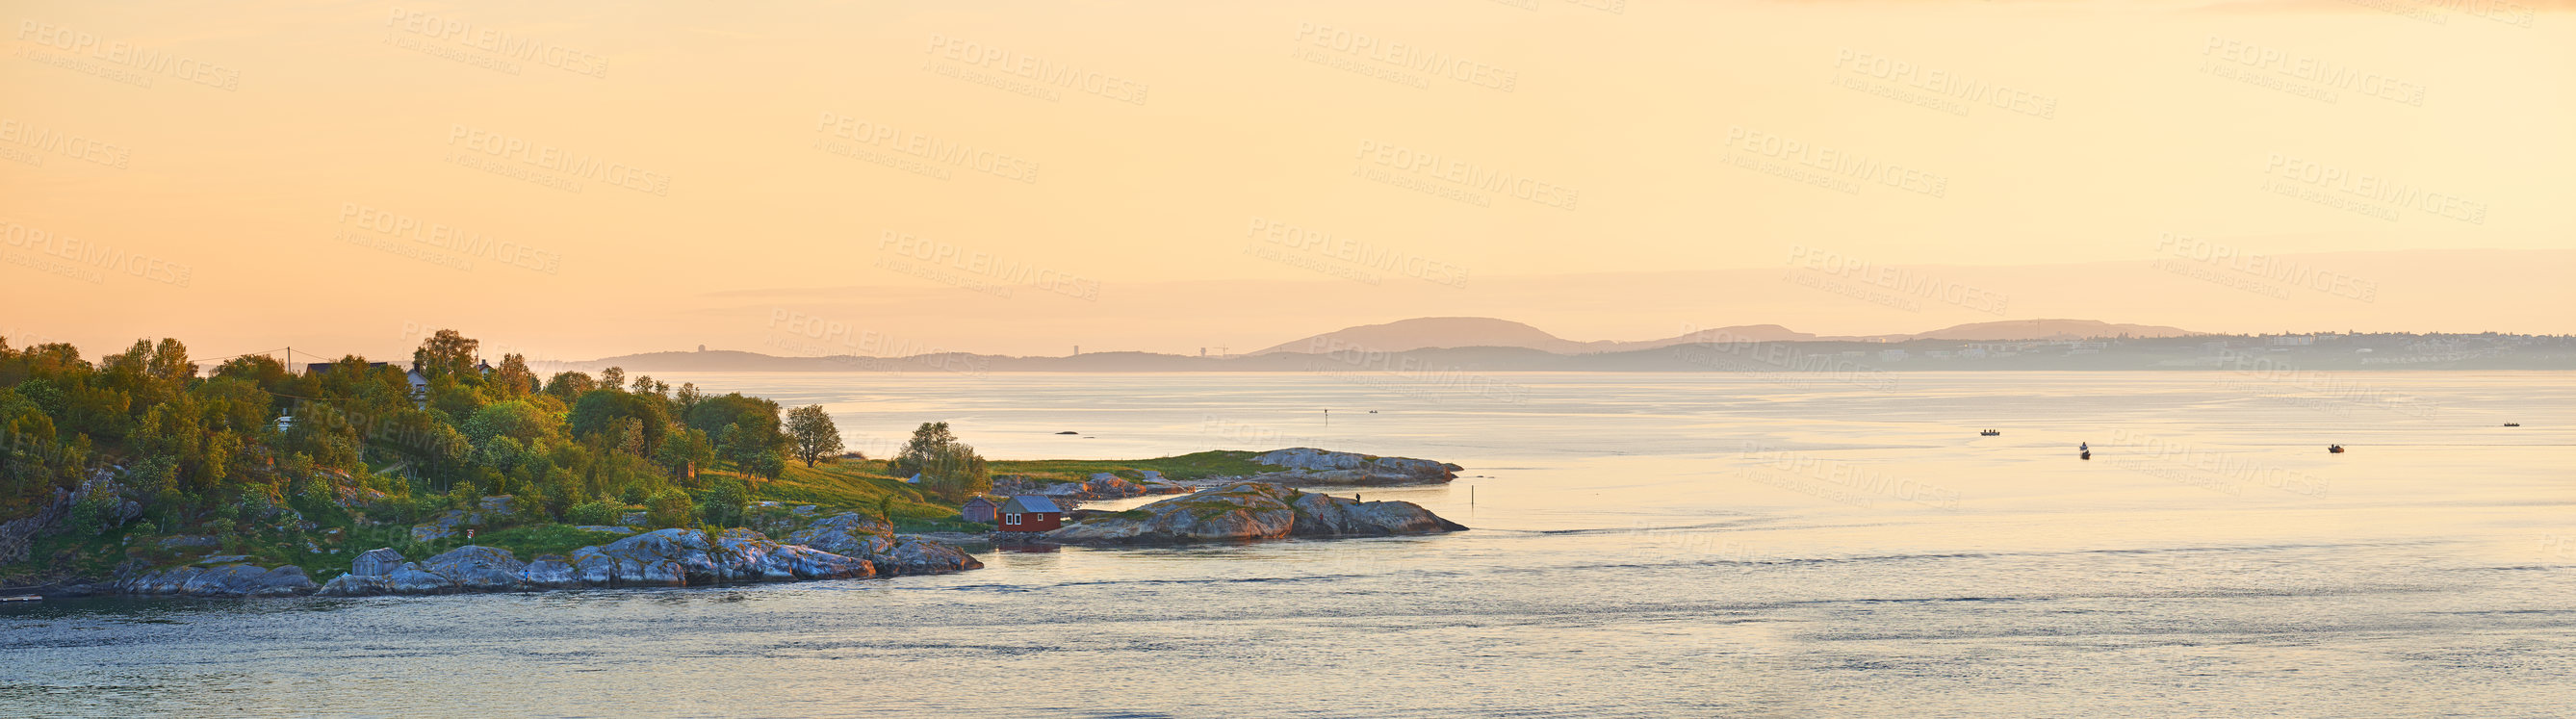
[596, 512]
[670, 508]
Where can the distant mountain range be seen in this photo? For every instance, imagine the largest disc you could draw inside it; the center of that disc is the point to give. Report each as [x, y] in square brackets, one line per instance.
[1388, 353]
[1489, 344]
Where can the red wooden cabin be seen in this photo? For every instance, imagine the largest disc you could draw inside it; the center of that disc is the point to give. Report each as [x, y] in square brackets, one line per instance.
[1030, 513]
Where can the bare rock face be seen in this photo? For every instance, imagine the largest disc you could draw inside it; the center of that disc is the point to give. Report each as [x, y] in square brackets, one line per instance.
[918, 555]
[665, 558]
[850, 533]
[478, 569]
[377, 562]
[869, 538]
[1252, 510]
[1310, 466]
[551, 571]
[231, 580]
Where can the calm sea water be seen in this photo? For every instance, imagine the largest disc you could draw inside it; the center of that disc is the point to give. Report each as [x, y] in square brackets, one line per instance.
[1646, 545]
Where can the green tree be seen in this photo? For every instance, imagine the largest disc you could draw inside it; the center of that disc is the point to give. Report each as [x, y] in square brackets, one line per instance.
[812, 430]
[512, 379]
[925, 443]
[685, 452]
[954, 471]
[445, 353]
[569, 386]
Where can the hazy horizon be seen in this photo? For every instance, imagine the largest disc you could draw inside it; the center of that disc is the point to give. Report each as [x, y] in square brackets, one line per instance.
[581, 181]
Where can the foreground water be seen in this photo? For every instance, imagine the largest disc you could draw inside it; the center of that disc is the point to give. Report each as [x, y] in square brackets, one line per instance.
[1655, 545]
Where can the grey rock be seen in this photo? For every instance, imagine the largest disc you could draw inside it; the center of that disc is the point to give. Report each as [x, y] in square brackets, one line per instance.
[411, 578]
[683, 557]
[477, 568]
[1310, 466]
[551, 571]
[377, 562]
[864, 537]
[921, 555]
[1252, 510]
[231, 580]
[847, 534]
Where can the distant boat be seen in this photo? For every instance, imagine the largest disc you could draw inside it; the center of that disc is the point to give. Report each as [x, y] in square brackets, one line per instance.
[2513, 424]
[2335, 448]
[1990, 433]
[1068, 433]
[2087, 454]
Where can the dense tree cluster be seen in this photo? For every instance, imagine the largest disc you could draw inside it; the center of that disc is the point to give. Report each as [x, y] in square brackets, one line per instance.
[252, 432]
[949, 468]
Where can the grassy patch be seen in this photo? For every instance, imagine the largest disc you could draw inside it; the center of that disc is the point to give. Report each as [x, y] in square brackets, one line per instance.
[1200, 465]
[851, 486]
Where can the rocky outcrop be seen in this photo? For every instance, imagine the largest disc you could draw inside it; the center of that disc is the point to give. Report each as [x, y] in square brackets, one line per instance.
[376, 562]
[665, 558]
[100, 489]
[231, 580]
[1252, 510]
[454, 522]
[1100, 486]
[869, 538]
[1310, 466]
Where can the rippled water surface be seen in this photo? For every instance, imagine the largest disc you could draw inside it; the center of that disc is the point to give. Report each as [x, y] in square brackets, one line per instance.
[1644, 545]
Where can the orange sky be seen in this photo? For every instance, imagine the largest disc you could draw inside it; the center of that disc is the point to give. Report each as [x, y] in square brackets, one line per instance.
[578, 179]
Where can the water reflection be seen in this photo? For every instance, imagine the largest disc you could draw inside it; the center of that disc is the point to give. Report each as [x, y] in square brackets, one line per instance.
[1619, 565]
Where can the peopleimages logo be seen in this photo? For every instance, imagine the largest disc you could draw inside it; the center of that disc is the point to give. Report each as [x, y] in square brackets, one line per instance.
[500, 43]
[120, 53]
[1045, 72]
[555, 159]
[80, 253]
[935, 150]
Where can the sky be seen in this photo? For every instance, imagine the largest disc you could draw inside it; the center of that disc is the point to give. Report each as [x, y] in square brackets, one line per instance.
[581, 179]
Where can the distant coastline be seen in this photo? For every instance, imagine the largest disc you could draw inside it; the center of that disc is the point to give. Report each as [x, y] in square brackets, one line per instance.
[2223, 353]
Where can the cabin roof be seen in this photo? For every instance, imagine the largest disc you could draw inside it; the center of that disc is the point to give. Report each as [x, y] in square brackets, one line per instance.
[1029, 504]
[978, 500]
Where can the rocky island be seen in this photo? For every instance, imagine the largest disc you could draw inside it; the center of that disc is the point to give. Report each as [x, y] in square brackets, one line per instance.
[145, 473]
[1309, 466]
[1245, 511]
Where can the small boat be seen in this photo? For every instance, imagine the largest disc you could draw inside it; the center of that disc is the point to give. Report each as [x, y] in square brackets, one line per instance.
[2087, 454]
[2513, 424]
[2335, 448]
[21, 598]
[1990, 433]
